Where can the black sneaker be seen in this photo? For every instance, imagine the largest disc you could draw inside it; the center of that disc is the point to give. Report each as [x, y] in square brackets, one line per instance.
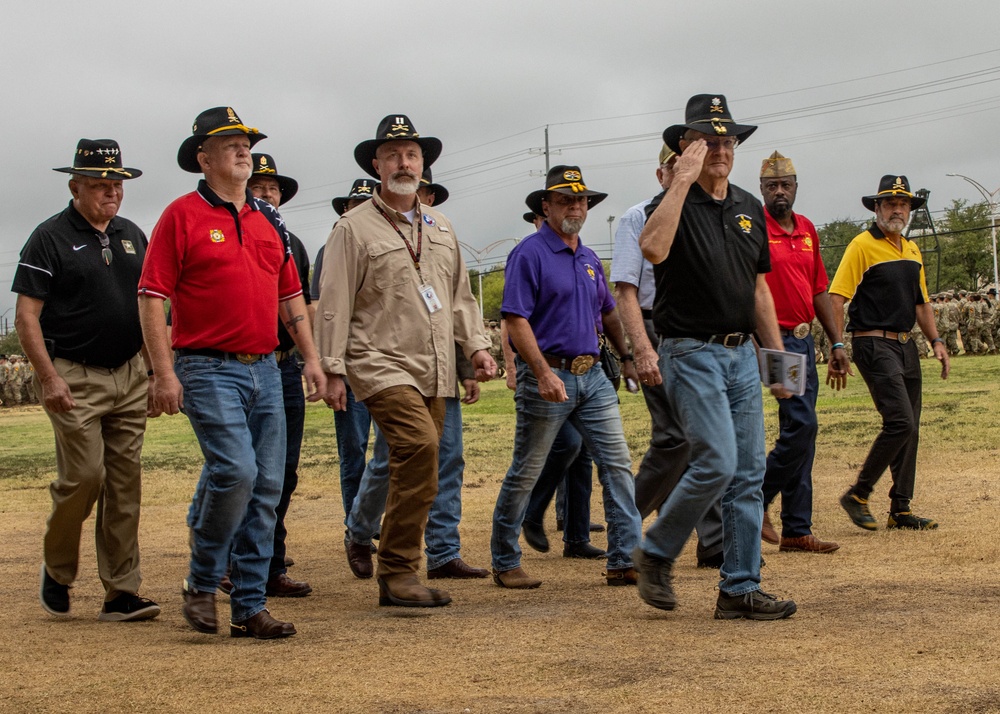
[906, 519]
[655, 579]
[857, 509]
[756, 605]
[128, 607]
[53, 596]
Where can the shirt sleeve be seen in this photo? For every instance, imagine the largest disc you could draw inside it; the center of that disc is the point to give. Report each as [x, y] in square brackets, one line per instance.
[520, 289]
[626, 267]
[820, 280]
[317, 274]
[849, 272]
[764, 259]
[37, 267]
[343, 272]
[163, 261]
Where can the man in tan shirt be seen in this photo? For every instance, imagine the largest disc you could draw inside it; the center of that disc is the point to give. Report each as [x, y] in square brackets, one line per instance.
[394, 300]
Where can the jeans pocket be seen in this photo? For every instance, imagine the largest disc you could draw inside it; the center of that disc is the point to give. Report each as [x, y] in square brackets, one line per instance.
[678, 347]
[196, 364]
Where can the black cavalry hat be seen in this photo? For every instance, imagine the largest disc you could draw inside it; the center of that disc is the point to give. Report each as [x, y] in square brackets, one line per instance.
[218, 121]
[529, 217]
[100, 158]
[563, 179]
[893, 186]
[709, 114]
[362, 190]
[263, 165]
[440, 192]
[395, 127]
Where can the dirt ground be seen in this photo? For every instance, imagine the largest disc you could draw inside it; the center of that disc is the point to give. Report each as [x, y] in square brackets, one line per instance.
[894, 621]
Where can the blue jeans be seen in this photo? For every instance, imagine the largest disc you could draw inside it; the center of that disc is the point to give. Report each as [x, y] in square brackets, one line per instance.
[441, 535]
[789, 465]
[237, 414]
[295, 417]
[568, 463]
[717, 394]
[592, 408]
[353, 426]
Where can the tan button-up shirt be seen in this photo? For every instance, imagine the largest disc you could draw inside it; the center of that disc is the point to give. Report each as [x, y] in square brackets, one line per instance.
[372, 323]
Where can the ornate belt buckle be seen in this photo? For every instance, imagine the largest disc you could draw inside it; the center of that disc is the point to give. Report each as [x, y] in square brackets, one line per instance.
[247, 358]
[801, 330]
[903, 337]
[581, 364]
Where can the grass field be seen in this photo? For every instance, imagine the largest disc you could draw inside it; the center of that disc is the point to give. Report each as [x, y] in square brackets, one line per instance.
[893, 622]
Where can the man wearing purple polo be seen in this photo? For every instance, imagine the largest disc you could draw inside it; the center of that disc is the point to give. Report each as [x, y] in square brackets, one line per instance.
[555, 302]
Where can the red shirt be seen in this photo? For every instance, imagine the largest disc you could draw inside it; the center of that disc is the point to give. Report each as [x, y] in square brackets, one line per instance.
[797, 271]
[223, 272]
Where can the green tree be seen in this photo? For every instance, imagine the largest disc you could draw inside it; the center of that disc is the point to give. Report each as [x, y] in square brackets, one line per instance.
[966, 247]
[9, 344]
[833, 240]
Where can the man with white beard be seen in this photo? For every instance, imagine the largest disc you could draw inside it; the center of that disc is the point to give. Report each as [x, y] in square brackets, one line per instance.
[394, 300]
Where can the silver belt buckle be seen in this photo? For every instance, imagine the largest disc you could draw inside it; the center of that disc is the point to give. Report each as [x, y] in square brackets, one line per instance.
[247, 358]
[903, 337]
[801, 330]
[736, 336]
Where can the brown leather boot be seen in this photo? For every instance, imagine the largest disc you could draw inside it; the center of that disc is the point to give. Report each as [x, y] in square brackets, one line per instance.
[406, 591]
[199, 610]
[262, 627]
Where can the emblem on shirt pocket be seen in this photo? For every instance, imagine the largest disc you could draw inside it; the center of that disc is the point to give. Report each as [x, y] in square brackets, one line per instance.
[590, 271]
[129, 248]
[808, 242]
[216, 236]
[746, 224]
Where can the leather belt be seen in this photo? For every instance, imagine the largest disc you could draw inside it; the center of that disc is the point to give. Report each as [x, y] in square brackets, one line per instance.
[578, 365]
[244, 357]
[900, 337]
[731, 340]
[799, 331]
[282, 355]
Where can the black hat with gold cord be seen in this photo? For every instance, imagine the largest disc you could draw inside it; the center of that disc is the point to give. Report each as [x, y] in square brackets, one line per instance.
[100, 158]
[218, 121]
[567, 180]
[708, 114]
[263, 165]
[891, 186]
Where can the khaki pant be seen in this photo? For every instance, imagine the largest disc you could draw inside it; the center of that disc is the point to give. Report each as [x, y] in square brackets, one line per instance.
[412, 425]
[98, 449]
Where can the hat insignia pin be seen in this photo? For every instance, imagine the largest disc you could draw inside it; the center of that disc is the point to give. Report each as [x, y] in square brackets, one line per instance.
[716, 106]
[364, 189]
[898, 185]
[216, 236]
[719, 128]
[233, 119]
[572, 176]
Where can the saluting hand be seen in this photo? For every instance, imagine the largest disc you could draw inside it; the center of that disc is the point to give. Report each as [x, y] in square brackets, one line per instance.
[692, 159]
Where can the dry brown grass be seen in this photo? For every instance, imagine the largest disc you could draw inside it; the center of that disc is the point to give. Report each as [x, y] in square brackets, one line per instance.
[891, 622]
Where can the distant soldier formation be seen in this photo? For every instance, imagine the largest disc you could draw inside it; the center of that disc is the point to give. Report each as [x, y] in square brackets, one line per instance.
[15, 381]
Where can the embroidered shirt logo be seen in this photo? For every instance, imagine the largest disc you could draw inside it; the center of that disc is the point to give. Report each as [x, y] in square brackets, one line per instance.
[745, 223]
[79, 247]
[129, 248]
[590, 272]
[216, 236]
[807, 242]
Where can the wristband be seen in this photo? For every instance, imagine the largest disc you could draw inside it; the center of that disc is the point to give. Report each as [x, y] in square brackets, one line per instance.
[838, 346]
[936, 340]
[628, 358]
[149, 373]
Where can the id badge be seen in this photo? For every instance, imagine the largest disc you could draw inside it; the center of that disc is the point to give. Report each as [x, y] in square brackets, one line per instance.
[430, 298]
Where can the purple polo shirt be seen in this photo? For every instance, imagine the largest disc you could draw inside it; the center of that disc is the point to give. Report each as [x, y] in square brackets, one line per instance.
[560, 293]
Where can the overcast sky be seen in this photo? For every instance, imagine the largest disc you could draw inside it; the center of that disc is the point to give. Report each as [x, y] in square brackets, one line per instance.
[850, 91]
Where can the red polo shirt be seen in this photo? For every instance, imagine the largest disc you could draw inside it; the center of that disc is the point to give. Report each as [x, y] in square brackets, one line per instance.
[797, 271]
[223, 271]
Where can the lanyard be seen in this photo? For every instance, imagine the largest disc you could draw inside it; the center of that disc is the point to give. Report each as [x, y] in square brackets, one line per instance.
[415, 256]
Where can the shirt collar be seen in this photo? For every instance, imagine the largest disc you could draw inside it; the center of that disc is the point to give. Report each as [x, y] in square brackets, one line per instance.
[552, 239]
[377, 197]
[734, 194]
[776, 228]
[215, 200]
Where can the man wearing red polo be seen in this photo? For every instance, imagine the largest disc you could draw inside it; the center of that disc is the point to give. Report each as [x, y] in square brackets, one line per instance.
[222, 258]
[798, 285]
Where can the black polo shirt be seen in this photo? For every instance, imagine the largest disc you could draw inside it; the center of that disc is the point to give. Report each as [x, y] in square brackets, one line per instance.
[90, 314]
[706, 285]
[301, 257]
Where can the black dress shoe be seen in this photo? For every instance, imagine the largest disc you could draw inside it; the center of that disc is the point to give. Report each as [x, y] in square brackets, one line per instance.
[262, 627]
[199, 610]
[534, 535]
[53, 596]
[458, 569]
[583, 550]
[281, 585]
[359, 558]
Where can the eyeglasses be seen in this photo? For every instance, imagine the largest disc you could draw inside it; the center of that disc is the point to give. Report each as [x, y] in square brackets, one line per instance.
[105, 248]
[728, 143]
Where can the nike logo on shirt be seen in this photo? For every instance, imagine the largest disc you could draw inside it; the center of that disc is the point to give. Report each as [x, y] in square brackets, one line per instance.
[78, 247]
